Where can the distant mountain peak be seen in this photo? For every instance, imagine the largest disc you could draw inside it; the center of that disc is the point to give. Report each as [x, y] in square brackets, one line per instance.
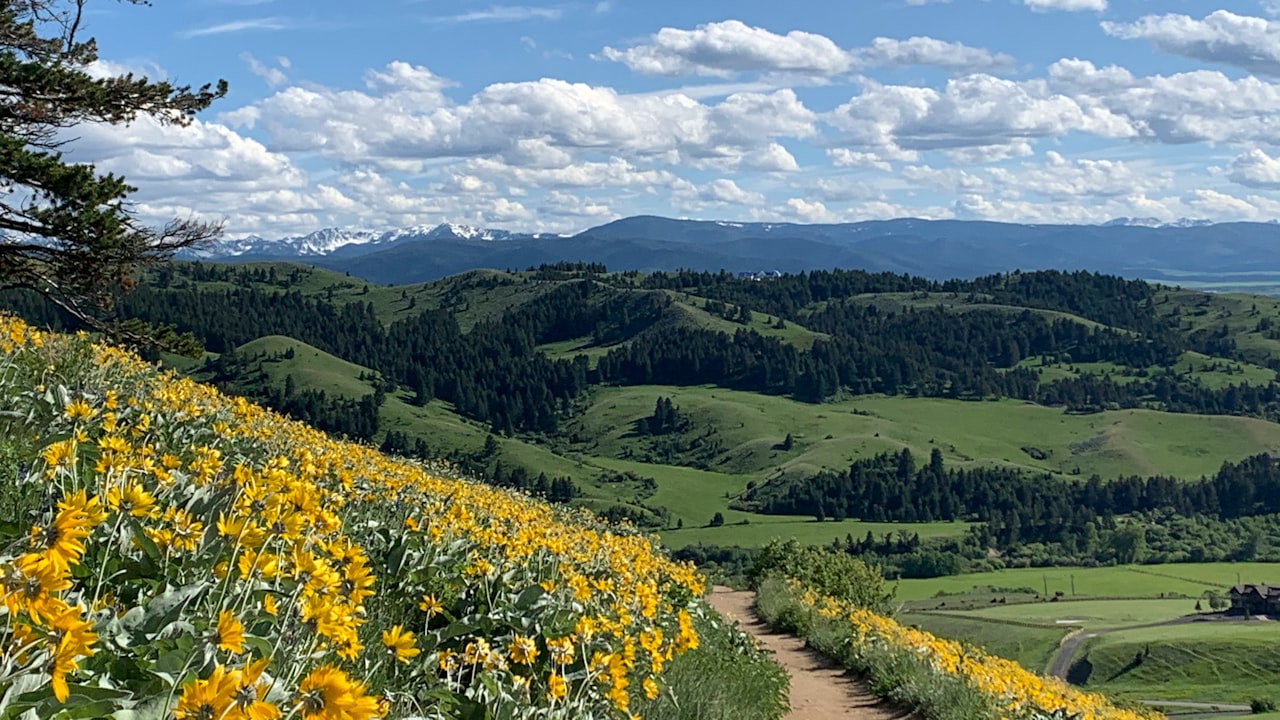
[1156, 222]
[327, 241]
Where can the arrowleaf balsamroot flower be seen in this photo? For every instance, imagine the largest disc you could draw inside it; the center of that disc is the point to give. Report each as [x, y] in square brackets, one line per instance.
[229, 635]
[400, 643]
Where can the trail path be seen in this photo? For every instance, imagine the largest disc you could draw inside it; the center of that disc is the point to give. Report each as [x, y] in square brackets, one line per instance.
[820, 689]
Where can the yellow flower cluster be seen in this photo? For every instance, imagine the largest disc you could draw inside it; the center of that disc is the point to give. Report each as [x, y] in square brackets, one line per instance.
[242, 563]
[1017, 692]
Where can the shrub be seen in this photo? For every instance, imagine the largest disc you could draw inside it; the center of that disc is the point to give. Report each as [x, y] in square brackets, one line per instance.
[836, 574]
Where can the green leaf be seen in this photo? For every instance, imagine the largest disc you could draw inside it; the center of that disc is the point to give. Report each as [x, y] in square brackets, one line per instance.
[530, 596]
[395, 558]
[149, 548]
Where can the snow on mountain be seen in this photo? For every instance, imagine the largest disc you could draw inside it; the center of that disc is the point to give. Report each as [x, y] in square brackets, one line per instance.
[1151, 222]
[326, 241]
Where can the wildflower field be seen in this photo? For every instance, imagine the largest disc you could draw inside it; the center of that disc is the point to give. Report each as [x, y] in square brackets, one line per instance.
[167, 551]
[943, 679]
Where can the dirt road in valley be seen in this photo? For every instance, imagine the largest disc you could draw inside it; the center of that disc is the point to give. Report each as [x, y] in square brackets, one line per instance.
[820, 689]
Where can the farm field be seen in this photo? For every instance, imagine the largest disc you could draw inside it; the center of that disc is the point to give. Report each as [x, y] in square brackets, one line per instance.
[1215, 661]
[1190, 579]
[1091, 614]
[1030, 647]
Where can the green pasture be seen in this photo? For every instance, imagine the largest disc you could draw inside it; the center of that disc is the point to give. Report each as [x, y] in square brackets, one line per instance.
[1091, 614]
[1030, 647]
[750, 428]
[1190, 579]
[1206, 661]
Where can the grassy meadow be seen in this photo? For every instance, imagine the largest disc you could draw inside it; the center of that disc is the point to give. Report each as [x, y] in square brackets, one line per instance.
[1031, 647]
[1091, 614]
[1190, 579]
[751, 427]
[1212, 661]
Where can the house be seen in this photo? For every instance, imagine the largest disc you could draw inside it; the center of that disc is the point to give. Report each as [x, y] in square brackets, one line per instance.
[1255, 600]
[760, 275]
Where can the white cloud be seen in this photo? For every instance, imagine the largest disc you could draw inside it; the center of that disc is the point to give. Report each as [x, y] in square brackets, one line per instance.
[407, 117]
[974, 111]
[1251, 43]
[729, 47]
[932, 52]
[273, 76]
[235, 26]
[717, 193]
[567, 205]
[617, 173]
[949, 179]
[1255, 169]
[1197, 106]
[1067, 5]
[500, 13]
[809, 211]
[1059, 178]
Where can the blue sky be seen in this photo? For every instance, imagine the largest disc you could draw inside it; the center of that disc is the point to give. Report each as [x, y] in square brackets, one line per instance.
[560, 116]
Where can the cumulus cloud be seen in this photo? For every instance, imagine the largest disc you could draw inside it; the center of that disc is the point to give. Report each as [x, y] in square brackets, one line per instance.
[1059, 178]
[970, 112]
[1251, 43]
[1066, 5]
[730, 47]
[406, 116]
[1196, 106]
[717, 193]
[1255, 169]
[932, 52]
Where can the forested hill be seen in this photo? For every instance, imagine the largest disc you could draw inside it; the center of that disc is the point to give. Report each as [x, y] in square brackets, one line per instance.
[517, 350]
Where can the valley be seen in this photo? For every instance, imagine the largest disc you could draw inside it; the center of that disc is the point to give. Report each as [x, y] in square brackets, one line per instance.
[708, 410]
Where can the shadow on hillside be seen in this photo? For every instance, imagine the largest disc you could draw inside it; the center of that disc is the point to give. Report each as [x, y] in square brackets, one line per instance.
[1080, 672]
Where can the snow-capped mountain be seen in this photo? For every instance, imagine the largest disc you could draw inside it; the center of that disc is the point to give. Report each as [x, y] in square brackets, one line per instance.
[1156, 222]
[345, 241]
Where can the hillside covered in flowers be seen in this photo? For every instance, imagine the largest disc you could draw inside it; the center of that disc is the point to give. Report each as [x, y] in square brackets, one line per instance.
[167, 551]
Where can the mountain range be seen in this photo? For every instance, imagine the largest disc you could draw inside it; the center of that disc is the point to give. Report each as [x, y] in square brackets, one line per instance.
[1132, 247]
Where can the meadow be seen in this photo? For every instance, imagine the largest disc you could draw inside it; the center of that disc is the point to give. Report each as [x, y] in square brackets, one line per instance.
[1213, 662]
[1188, 579]
[830, 435]
[1030, 647]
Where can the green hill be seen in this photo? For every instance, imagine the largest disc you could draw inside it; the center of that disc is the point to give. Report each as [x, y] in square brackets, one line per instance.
[745, 431]
[1073, 374]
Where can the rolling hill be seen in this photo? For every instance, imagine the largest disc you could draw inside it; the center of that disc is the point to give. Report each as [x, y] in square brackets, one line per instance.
[317, 330]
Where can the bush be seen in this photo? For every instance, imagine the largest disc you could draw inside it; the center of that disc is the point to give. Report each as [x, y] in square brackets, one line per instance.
[1262, 705]
[836, 574]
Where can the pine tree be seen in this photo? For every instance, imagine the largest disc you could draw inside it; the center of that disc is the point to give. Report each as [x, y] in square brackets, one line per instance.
[70, 233]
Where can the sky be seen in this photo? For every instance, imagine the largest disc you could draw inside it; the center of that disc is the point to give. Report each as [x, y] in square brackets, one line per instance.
[559, 116]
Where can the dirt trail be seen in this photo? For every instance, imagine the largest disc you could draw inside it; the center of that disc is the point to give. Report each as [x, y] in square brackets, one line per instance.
[820, 689]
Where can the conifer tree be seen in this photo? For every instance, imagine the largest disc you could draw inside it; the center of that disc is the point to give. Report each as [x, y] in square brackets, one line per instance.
[66, 231]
